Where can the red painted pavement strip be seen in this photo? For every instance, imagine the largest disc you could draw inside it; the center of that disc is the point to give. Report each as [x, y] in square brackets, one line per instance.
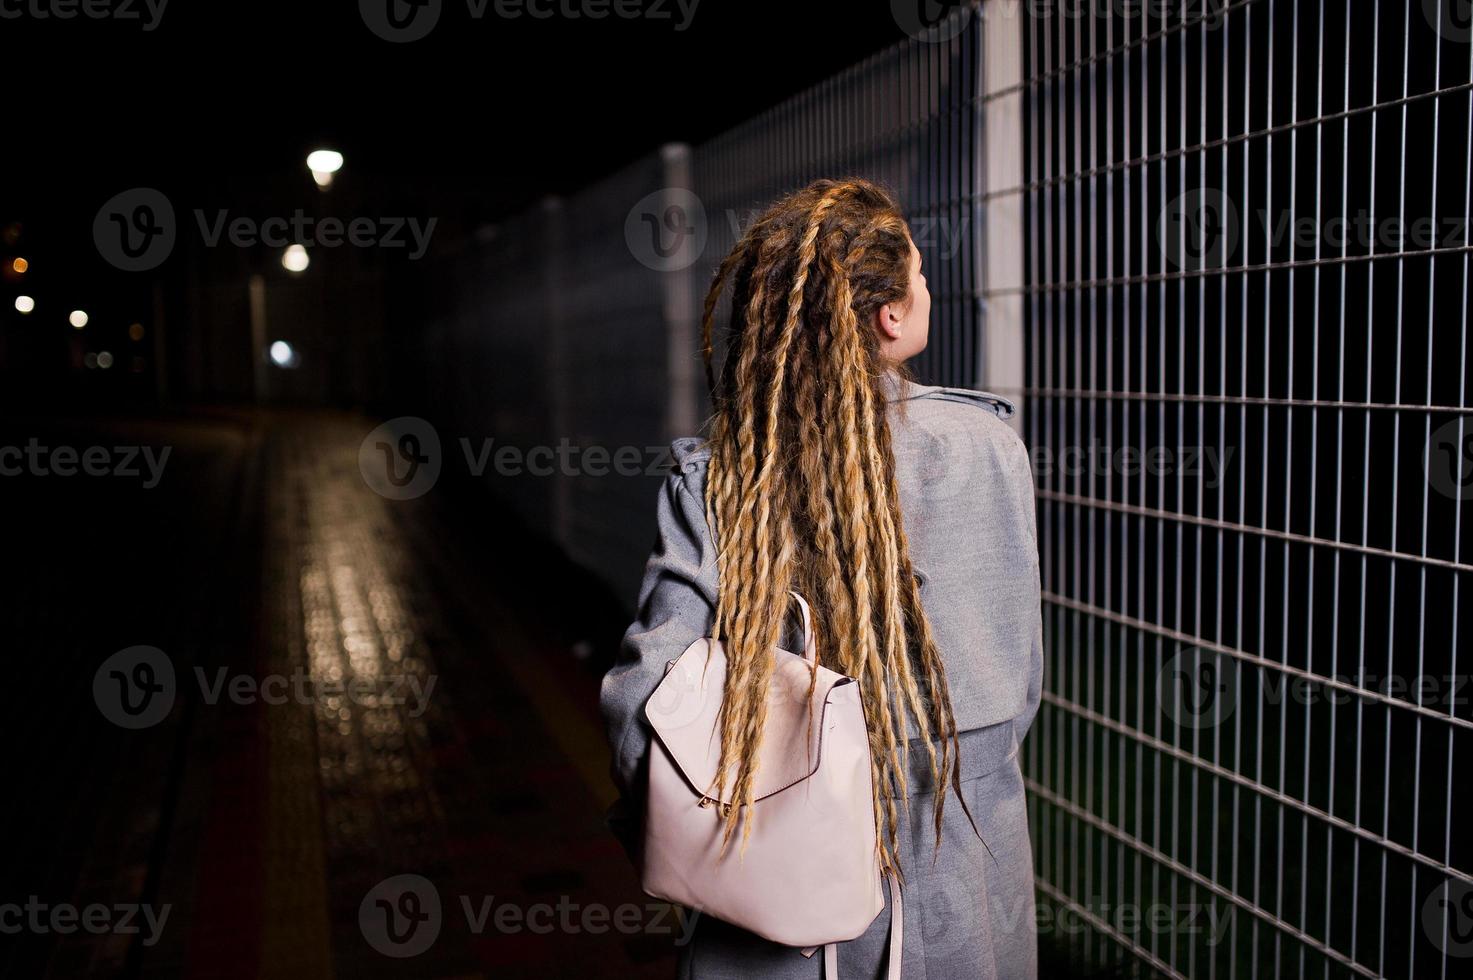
[225, 938]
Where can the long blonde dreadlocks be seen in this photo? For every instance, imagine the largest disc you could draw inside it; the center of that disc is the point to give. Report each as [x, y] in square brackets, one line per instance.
[801, 487]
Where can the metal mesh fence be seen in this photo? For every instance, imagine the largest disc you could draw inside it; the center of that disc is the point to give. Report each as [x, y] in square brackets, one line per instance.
[1227, 243]
[1246, 319]
[907, 117]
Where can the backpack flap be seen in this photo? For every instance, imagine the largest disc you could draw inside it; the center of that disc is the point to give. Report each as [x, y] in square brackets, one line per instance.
[684, 708]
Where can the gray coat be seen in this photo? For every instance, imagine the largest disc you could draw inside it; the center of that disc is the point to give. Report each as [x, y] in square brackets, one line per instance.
[966, 495]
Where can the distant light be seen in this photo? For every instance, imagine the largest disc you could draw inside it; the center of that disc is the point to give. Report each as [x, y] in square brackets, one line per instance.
[295, 258]
[78, 319]
[20, 265]
[25, 304]
[323, 164]
[104, 360]
[90, 360]
[135, 332]
[283, 355]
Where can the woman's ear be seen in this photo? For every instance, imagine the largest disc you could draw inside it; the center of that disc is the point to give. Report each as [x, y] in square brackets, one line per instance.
[887, 320]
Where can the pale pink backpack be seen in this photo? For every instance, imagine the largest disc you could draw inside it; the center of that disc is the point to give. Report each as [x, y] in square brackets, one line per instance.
[811, 875]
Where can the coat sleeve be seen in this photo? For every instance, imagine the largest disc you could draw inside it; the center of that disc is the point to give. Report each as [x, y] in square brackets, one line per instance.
[676, 607]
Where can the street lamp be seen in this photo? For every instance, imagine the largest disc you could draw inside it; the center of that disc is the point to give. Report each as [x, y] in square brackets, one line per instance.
[323, 164]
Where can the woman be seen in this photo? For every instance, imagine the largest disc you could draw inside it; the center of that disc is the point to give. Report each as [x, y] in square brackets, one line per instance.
[904, 515]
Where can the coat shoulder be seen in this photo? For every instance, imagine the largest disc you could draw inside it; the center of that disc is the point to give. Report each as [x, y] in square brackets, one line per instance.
[689, 458]
[948, 412]
[985, 400]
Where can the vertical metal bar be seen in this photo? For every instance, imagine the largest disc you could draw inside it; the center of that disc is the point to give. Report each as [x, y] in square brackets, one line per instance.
[1333, 708]
[1366, 475]
[1309, 630]
[1413, 907]
[1070, 351]
[1140, 525]
[1221, 444]
[1083, 305]
[1181, 319]
[1202, 285]
[1115, 637]
[1242, 498]
[1162, 142]
[1395, 469]
[1447, 818]
[1288, 468]
[1267, 455]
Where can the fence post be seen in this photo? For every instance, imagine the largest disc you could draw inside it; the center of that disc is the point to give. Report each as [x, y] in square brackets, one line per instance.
[679, 305]
[1001, 190]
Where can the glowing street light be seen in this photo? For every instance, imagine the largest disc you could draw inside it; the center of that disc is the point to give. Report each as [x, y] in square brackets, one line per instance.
[78, 319]
[282, 354]
[323, 164]
[25, 304]
[20, 265]
[295, 258]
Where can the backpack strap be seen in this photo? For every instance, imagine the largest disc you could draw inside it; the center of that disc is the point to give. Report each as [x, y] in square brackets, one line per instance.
[809, 651]
[897, 940]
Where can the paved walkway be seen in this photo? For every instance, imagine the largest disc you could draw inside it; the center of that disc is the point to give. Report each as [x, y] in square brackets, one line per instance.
[380, 756]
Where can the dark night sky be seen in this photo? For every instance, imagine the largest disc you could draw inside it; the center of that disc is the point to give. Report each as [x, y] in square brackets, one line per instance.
[218, 105]
[523, 107]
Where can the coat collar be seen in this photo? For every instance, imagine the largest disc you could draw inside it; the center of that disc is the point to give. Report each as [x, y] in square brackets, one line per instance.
[898, 389]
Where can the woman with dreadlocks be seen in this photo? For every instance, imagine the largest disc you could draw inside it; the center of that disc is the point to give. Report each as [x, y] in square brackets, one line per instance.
[904, 515]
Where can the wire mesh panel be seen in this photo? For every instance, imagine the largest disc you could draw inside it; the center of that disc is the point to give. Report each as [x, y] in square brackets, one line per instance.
[1246, 395]
[907, 117]
[549, 346]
